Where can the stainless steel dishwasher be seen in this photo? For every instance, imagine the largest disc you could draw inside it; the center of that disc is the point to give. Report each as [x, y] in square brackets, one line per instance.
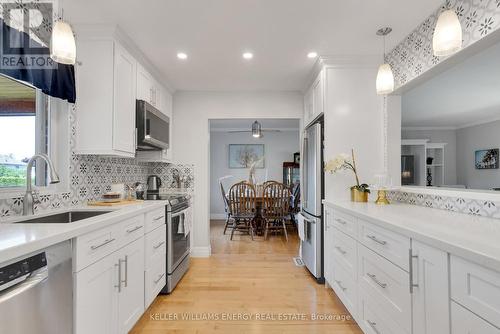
[36, 292]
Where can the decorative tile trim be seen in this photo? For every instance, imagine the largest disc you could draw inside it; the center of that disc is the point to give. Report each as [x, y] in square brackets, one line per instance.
[92, 175]
[413, 56]
[456, 204]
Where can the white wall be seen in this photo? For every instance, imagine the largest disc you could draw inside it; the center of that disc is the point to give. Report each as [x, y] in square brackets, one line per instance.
[278, 147]
[353, 119]
[469, 140]
[192, 110]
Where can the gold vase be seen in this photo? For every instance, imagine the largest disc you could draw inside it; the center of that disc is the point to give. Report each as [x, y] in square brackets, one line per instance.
[382, 198]
[358, 195]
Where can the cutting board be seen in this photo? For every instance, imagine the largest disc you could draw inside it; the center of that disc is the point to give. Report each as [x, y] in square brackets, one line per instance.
[121, 202]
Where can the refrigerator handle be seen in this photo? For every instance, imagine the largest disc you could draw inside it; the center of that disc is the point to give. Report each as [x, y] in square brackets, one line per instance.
[303, 159]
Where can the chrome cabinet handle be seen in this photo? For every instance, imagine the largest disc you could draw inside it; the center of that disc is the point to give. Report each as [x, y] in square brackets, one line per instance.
[411, 257]
[374, 238]
[158, 245]
[134, 229]
[343, 252]
[341, 221]
[125, 281]
[373, 325]
[107, 241]
[119, 265]
[159, 278]
[158, 218]
[375, 279]
[339, 283]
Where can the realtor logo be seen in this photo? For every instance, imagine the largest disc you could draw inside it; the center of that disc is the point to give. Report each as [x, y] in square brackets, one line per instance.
[25, 34]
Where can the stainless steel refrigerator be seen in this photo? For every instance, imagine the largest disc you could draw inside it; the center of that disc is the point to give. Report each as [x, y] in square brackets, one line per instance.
[312, 196]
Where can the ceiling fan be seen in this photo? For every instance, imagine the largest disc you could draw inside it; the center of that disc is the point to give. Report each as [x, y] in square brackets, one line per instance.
[256, 130]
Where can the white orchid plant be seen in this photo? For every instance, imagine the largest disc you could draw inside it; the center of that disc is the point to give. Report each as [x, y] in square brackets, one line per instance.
[345, 162]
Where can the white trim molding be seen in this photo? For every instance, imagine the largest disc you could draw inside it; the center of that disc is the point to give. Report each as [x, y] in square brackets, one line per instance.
[201, 251]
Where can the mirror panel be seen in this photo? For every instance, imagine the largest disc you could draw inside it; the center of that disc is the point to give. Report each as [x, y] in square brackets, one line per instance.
[450, 132]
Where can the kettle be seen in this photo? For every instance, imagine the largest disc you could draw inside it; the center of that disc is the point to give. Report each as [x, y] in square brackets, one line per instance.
[154, 184]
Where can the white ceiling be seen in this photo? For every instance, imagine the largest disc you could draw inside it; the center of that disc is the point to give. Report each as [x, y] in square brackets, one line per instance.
[280, 33]
[246, 124]
[466, 94]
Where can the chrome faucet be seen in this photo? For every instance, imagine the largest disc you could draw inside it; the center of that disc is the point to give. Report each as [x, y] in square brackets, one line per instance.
[28, 201]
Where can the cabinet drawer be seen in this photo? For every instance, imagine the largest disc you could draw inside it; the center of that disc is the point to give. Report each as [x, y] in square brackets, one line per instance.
[345, 222]
[345, 286]
[465, 322]
[95, 245]
[344, 251]
[476, 288]
[374, 320]
[390, 245]
[155, 219]
[155, 280]
[155, 243]
[130, 230]
[387, 284]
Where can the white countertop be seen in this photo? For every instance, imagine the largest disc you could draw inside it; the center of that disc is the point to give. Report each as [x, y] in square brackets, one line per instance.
[472, 237]
[18, 239]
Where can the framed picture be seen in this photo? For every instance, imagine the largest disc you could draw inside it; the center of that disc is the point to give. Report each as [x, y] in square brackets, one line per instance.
[244, 155]
[487, 159]
[296, 158]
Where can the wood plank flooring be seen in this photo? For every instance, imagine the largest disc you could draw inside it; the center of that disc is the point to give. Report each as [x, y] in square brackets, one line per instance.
[245, 287]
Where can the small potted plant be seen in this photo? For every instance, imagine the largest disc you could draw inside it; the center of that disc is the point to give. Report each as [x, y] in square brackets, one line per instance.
[359, 192]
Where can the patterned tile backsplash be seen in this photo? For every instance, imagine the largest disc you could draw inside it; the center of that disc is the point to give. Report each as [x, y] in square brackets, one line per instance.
[413, 56]
[91, 175]
[456, 204]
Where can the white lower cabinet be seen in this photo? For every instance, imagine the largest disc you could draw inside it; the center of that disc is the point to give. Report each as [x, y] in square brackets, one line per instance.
[110, 292]
[131, 293]
[430, 289]
[465, 322]
[118, 273]
[389, 283]
[96, 295]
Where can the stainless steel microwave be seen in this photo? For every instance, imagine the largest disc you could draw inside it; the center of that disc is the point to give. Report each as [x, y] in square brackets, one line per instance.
[153, 128]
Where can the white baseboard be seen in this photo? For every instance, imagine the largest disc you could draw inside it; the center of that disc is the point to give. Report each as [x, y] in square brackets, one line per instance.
[201, 251]
[218, 216]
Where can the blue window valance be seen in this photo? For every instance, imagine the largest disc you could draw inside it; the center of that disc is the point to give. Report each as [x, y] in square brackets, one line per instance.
[24, 58]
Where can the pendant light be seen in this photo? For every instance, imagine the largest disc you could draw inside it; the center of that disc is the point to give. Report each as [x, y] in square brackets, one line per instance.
[385, 78]
[447, 37]
[256, 130]
[62, 43]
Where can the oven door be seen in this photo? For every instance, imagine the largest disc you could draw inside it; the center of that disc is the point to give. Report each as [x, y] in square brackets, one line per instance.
[153, 127]
[178, 242]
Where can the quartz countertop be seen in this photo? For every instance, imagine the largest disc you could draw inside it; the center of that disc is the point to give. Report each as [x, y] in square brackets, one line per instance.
[474, 238]
[18, 238]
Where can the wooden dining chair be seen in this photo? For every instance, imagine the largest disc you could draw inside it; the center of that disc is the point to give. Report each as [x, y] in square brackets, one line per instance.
[275, 207]
[226, 206]
[242, 207]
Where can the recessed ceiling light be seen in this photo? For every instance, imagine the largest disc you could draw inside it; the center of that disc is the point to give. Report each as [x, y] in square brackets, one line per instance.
[312, 54]
[182, 55]
[248, 55]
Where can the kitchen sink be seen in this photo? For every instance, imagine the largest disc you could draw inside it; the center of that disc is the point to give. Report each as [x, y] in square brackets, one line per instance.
[63, 218]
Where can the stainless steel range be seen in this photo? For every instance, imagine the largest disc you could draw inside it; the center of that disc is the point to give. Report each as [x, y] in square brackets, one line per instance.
[179, 220]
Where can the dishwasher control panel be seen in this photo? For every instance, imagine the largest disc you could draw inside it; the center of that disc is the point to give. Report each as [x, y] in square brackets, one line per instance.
[18, 271]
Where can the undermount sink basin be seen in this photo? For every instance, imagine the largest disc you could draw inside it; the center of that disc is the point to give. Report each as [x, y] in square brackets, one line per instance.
[63, 218]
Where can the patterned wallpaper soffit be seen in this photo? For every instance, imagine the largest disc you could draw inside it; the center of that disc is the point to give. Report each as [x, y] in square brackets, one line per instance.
[413, 56]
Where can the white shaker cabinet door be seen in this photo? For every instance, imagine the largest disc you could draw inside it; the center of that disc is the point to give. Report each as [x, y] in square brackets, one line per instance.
[124, 101]
[465, 322]
[431, 298]
[131, 296]
[96, 298]
[328, 246]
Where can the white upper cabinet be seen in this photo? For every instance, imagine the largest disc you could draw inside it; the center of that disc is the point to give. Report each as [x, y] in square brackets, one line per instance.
[314, 99]
[147, 87]
[106, 83]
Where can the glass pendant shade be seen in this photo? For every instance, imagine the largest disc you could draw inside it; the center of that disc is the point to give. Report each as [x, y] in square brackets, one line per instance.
[256, 130]
[447, 37]
[385, 80]
[62, 44]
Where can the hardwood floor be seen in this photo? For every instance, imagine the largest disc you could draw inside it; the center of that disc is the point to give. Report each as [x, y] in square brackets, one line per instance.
[244, 287]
